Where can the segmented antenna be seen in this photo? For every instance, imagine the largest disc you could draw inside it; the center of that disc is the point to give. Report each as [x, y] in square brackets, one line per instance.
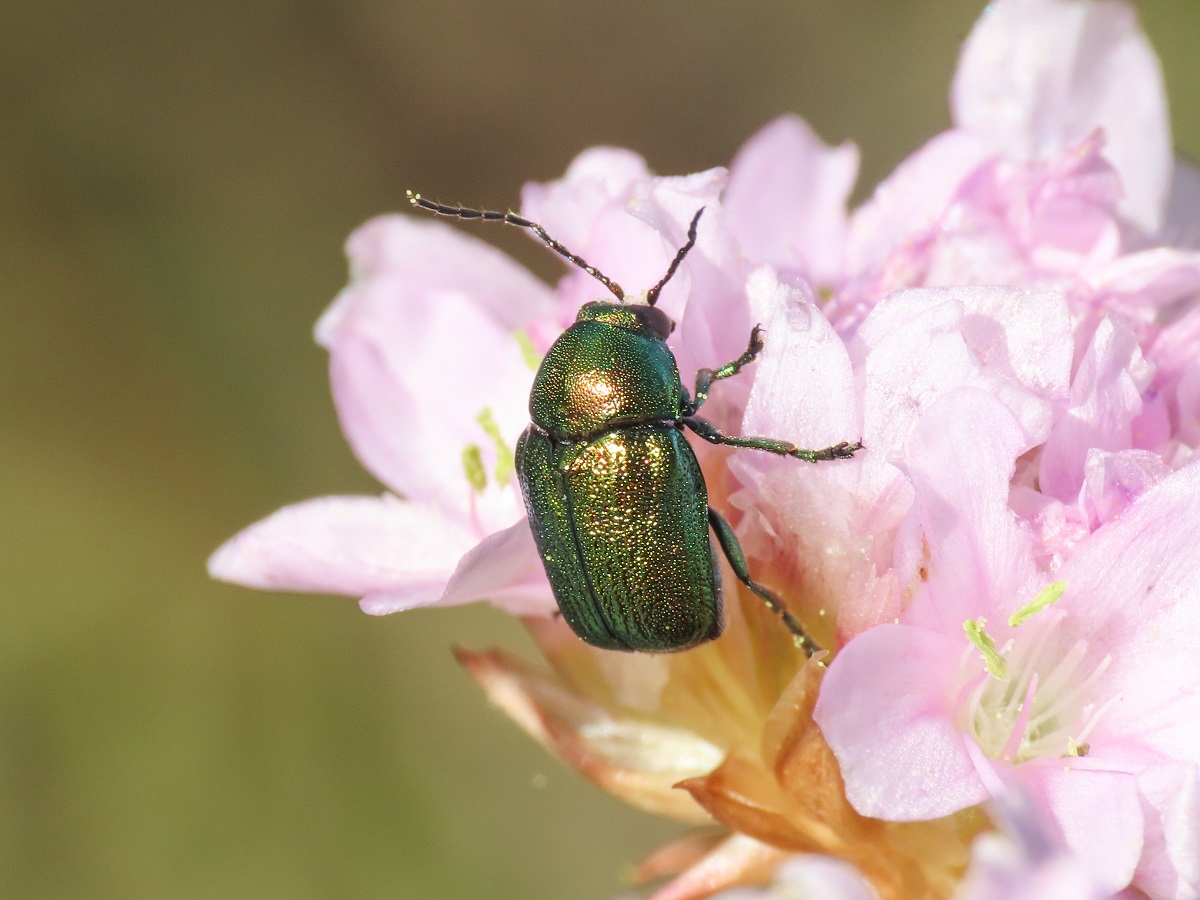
[652, 294]
[464, 212]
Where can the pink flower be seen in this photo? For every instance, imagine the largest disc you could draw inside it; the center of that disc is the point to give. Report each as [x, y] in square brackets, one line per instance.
[433, 417]
[1023, 859]
[1031, 480]
[433, 347]
[809, 876]
[1006, 579]
[1109, 667]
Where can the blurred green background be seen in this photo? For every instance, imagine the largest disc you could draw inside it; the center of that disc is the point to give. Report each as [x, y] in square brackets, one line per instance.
[176, 181]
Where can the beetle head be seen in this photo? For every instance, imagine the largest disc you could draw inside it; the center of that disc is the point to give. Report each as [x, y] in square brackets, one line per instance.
[640, 318]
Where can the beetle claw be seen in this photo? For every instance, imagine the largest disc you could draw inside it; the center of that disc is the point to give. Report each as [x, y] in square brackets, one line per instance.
[756, 341]
[846, 450]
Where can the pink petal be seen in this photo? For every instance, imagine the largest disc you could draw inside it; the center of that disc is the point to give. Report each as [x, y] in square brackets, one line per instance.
[1013, 221]
[1170, 865]
[1062, 878]
[447, 259]
[1148, 283]
[588, 211]
[1134, 590]
[809, 875]
[416, 358]
[735, 860]
[1187, 402]
[998, 872]
[826, 877]
[1100, 817]
[1025, 859]
[910, 200]
[803, 392]
[1106, 397]
[1022, 342]
[980, 561]
[597, 179]
[914, 352]
[1182, 225]
[346, 545]
[916, 346]
[919, 344]
[1112, 481]
[786, 200]
[887, 710]
[803, 384]
[505, 569]
[1074, 192]
[1056, 526]
[1175, 391]
[1037, 75]
[708, 301]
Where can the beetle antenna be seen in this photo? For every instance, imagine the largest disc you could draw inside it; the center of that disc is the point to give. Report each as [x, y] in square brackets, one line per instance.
[652, 294]
[508, 218]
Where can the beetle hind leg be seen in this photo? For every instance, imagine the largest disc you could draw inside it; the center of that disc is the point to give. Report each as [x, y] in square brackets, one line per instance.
[737, 561]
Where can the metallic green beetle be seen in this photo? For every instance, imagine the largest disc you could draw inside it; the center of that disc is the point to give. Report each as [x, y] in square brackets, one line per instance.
[616, 500]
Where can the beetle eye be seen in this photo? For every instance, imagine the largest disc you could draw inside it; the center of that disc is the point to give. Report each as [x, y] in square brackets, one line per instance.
[655, 319]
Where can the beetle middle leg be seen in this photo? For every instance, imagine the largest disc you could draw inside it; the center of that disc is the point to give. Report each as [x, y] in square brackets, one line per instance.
[737, 561]
[705, 377]
[709, 432]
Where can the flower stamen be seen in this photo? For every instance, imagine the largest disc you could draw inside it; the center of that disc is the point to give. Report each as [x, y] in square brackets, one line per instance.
[1033, 699]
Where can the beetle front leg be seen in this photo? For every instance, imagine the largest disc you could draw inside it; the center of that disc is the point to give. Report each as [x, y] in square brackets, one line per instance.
[737, 561]
[705, 377]
[708, 431]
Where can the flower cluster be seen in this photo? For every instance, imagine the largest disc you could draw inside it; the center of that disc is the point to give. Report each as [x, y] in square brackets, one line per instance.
[1007, 578]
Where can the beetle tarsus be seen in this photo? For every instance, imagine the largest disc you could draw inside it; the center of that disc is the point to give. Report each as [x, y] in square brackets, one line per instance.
[844, 450]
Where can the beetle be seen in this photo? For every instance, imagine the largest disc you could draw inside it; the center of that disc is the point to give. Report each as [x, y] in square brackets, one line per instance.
[616, 500]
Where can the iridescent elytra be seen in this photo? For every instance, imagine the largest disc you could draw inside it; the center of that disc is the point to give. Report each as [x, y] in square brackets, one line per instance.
[616, 499]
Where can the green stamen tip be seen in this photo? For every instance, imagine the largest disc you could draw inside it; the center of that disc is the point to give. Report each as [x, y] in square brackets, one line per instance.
[472, 463]
[1074, 749]
[1047, 596]
[996, 665]
[529, 352]
[504, 454]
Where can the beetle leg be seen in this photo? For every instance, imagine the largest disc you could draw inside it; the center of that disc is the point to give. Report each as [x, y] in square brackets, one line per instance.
[705, 377]
[737, 561]
[706, 430]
